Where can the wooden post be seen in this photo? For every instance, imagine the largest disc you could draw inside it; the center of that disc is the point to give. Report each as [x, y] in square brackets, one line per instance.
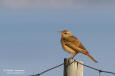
[72, 68]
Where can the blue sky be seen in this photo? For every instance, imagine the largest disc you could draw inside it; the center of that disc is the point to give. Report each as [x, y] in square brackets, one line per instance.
[29, 39]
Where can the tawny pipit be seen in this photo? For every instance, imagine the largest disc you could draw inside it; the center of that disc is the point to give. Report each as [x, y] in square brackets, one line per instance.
[72, 45]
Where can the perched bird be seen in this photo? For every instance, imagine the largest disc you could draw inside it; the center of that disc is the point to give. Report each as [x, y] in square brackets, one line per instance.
[72, 45]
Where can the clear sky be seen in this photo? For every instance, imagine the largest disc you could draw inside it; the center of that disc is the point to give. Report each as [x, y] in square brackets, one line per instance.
[29, 39]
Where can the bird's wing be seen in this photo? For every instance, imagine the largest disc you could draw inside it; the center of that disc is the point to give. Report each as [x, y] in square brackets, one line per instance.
[81, 46]
[75, 44]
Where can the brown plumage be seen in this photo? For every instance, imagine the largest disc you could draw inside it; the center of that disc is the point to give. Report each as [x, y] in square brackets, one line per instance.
[72, 45]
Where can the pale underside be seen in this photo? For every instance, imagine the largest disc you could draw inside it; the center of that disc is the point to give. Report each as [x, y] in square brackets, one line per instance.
[69, 50]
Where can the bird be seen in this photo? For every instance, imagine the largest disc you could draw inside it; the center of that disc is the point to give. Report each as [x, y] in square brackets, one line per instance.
[72, 45]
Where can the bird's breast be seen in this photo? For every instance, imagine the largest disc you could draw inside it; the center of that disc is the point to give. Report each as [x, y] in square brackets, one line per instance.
[66, 48]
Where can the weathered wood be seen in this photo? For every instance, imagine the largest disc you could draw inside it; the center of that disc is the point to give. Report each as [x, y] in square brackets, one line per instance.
[72, 68]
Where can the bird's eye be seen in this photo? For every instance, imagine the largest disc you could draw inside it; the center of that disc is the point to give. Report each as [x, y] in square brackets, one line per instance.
[65, 32]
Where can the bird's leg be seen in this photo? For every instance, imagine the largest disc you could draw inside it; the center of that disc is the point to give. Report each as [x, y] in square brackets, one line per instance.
[72, 56]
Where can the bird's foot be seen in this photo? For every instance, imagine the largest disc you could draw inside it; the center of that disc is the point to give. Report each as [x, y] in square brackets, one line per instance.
[70, 57]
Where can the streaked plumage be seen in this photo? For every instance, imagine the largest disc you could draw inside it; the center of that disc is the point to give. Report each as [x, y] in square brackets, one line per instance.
[72, 45]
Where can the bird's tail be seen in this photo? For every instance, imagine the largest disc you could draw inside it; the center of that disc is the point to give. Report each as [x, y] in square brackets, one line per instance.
[92, 58]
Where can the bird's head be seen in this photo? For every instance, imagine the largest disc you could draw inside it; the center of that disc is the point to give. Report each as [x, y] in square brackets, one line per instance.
[65, 33]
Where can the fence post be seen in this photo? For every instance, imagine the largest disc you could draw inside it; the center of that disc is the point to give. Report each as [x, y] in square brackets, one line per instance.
[72, 68]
